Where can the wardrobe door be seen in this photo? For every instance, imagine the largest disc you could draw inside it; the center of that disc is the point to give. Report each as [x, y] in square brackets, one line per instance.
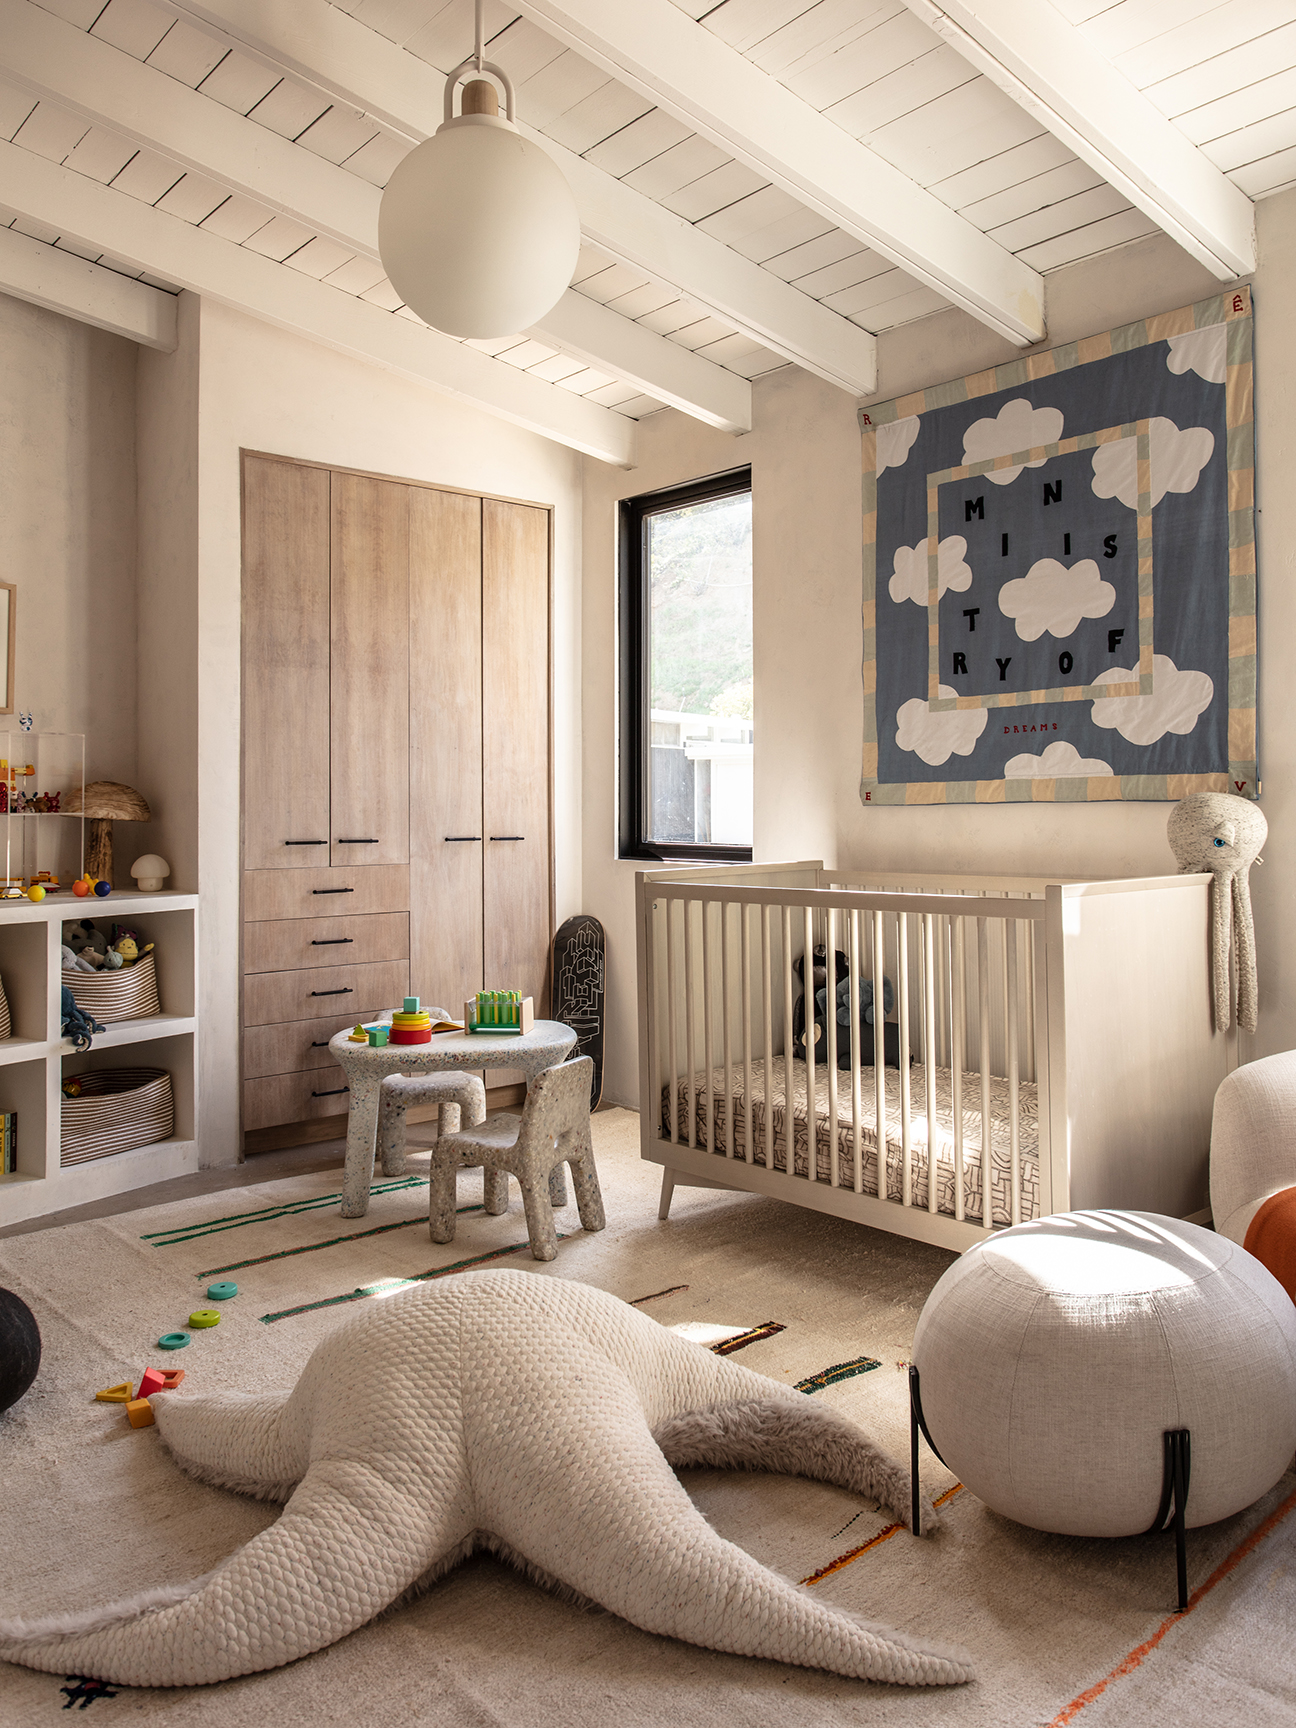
[515, 747]
[285, 665]
[369, 730]
[445, 747]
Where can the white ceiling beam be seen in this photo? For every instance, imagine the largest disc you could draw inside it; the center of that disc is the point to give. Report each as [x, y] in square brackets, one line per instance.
[658, 50]
[54, 59]
[176, 251]
[1051, 69]
[329, 50]
[62, 282]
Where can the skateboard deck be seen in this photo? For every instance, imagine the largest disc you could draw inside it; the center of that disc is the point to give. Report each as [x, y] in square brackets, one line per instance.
[578, 978]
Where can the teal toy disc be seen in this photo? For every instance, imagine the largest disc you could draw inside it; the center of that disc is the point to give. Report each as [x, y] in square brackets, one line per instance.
[221, 1292]
[173, 1340]
[204, 1317]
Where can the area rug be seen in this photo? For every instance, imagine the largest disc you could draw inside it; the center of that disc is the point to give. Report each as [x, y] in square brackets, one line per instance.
[1062, 1630]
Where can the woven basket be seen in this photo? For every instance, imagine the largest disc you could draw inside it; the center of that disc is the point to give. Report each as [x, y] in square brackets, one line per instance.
[118, 1110]
[127, 994]
[6, 1029]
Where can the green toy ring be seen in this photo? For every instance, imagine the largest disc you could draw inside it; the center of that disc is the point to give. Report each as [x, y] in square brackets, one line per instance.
[204, 1317]
[221, 1292]
[173, 1340]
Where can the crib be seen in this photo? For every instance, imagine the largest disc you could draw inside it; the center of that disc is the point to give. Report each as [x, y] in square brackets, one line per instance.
[1051, 1043]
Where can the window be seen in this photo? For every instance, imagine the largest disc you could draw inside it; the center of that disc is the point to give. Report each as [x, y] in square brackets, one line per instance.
[686, 671]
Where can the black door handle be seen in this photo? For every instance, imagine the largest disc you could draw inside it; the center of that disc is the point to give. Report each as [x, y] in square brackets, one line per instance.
[332, 890]
[319, 1044]
[332, 1094]
[305, 842]
[454, 839]
[345, 991]
[508, 836]
[345, 842]
[330, 941]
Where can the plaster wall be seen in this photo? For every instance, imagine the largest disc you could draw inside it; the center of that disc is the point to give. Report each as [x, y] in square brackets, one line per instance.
[804, 452]
[67, 532]
[260, 388]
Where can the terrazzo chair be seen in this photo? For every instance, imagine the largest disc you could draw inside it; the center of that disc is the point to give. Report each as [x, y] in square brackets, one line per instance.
[1253, 1163]
[554, 1127]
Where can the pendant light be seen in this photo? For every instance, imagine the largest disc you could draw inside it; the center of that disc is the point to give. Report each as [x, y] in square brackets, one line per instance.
[478, 229]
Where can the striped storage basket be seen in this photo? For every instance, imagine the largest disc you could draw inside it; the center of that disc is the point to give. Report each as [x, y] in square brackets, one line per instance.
[6, 1029]
[127, 994]
[118, 1110]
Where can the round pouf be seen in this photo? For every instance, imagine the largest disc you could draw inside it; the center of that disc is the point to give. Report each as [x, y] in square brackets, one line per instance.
[20, 1347]
[1053, 1357]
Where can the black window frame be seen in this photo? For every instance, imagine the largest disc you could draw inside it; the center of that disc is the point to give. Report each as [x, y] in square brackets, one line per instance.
[635, 694]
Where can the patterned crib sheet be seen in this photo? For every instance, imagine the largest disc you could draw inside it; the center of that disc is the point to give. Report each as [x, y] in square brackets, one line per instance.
[730, 1093]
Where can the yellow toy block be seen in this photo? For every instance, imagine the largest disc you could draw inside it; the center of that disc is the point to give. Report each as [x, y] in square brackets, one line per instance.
[115, 1394]
[140, 1412]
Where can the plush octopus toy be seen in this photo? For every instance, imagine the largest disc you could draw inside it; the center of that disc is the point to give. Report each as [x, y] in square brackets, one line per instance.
[1217, 832]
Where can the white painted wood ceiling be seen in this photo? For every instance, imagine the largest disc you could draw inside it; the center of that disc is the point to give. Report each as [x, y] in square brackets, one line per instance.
[1224, 75]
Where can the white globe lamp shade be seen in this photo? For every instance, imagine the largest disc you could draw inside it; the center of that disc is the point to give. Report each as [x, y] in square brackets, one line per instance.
[478, 229]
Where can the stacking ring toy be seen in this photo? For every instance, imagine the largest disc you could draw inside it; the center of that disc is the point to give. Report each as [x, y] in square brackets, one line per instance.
[204, 1317]
[173, 1340]
[221, 1292]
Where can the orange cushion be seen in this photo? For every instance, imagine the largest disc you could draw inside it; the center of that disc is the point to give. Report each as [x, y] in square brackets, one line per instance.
[1271, 1237]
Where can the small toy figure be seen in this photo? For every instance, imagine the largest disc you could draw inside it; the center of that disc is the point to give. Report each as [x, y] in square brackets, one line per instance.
[126, 946]
[83, 939]
[25, 721]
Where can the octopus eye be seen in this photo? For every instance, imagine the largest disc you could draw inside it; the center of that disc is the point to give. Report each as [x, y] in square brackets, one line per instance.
[1219, 842]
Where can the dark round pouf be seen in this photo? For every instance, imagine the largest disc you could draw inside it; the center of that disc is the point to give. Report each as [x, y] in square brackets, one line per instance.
[19, 1348]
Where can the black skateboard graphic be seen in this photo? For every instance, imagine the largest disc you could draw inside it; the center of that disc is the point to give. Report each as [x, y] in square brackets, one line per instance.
[578, 973]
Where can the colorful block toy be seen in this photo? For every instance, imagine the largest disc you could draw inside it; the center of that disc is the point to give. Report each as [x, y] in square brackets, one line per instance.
[115, 1394]
[140, 1412]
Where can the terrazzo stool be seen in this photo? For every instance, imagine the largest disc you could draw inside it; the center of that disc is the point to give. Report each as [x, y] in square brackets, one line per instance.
[1083, 1372]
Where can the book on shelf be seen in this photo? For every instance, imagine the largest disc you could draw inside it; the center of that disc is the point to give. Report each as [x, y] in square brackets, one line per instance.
[9, 1142]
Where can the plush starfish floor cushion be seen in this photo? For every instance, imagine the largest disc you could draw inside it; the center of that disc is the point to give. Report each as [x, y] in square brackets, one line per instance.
[533, 1416]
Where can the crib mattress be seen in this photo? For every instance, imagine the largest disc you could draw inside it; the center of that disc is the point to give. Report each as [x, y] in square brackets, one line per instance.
[729, 1108]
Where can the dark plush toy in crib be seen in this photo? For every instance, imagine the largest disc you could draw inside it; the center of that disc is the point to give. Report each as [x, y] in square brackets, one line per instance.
[890, 1032]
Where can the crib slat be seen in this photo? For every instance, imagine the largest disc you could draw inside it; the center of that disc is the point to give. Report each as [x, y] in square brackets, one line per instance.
[929, 1051]
[1013, 1033]
[652, 1001]
[672, 1030]
[726, 1012]
[857, 1173]
[744, 913]
[767, 1008]
[708, 1051]
[958, 1053]
[879, 1053]
[690, 1045]
[983, 980]
[902, 991]
[830, 1020]
[808, 1003]
[789, 1126]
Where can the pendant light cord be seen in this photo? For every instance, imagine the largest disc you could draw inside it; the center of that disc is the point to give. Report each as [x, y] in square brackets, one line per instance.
[479, 13]
[476, 62]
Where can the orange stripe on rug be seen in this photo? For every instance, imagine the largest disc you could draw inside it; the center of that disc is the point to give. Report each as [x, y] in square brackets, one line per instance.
[1140, 1651]
[853, 1554]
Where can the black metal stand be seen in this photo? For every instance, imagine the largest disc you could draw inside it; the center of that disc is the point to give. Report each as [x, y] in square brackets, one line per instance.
[1176, 1474]
[916, 1423]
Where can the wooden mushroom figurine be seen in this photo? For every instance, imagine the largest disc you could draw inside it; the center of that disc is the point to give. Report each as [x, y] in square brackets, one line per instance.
[106, 802]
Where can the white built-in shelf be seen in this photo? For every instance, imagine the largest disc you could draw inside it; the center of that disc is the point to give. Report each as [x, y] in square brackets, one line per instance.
[37, 1058]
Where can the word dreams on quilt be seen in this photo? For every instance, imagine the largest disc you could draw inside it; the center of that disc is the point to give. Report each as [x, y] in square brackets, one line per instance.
[1071, 534]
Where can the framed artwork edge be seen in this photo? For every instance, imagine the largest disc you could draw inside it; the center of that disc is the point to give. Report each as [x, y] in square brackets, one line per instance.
[11, 588]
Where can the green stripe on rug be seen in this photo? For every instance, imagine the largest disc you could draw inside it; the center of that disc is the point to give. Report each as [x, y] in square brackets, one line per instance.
[310, 1247]
[389, 1286]
[264, 1215]
[838, 1371]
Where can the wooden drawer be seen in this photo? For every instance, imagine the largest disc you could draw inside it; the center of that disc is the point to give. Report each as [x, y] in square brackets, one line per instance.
[325, 892]
[294, 1097]
[291, 1047]
[321, 992]
[287, 944]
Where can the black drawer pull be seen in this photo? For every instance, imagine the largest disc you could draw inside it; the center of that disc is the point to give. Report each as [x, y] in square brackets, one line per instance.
[319, 1044]
[508, 836]
[330, 941]
[332, 1094]
[346, 990]
[454, 839]
[305, 842]
[342, 842]
[332, 890]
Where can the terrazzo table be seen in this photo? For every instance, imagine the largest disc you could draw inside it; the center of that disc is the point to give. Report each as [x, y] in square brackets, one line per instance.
[366, 1068]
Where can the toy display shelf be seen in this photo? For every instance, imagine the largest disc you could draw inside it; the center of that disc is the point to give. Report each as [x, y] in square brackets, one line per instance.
[34, 1061]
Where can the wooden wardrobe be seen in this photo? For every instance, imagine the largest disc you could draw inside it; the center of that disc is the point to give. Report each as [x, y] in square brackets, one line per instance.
[396, 829]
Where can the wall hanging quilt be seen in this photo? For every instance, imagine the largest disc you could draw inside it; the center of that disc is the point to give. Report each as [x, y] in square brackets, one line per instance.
[1059, 573]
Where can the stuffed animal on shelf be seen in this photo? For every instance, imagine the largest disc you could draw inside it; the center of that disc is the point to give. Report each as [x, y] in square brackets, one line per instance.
[91, 944]
[74, 962]
[1217, 832]
[127, 947]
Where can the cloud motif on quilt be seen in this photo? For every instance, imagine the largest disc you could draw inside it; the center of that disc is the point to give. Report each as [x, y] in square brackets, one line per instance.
[1060, 761]
[1017, 426]
[1204, 352]
[894, 442]
[909, 581]
[1054, 598]
[937, 737]
[1177, 701]
[1176, 457]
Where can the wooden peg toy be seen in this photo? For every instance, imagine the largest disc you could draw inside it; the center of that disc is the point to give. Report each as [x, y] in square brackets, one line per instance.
[115, 1394]
[171, 1378]
[140, 1412]
[154, 1381]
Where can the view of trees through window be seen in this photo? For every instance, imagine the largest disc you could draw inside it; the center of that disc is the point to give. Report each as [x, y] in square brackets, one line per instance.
[700, 671]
